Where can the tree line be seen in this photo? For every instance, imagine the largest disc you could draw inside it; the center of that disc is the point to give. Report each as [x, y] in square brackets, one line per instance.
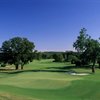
[20, 51]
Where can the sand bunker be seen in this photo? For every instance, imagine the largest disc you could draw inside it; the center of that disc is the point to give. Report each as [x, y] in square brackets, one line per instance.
[81, 74]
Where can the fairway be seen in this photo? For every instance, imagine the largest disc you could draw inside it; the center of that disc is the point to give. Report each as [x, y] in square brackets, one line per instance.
[47, 80]
[49, 50]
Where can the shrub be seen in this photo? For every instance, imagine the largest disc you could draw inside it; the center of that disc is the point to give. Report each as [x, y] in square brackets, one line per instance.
[3, 65]
[58, 57]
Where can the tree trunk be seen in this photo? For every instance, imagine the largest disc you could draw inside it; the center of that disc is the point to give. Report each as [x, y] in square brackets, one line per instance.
[16, 67]
[99, 65]
[21, 67]
[93, 67]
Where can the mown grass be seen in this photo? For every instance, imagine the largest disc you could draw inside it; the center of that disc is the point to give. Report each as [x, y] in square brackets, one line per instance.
[47, 80]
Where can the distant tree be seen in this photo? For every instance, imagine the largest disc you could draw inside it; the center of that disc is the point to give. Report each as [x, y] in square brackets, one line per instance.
[35, 54]
[44, 56]
[55, 57]
[58, 57]
[67, 55]
[73, 59]
[17, 51]
[39, 56]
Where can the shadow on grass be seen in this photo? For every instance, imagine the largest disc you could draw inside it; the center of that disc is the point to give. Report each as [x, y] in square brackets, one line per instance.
[70, 67]
[20, 71]
[64, 69]
[12, 71]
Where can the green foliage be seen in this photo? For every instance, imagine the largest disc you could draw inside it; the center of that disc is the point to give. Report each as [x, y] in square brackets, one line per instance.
[44, 56]
[17, 51]
[88, 48]
[67, 55]
[50, 54]
[58, 58]
[3, 65]
[39, 56]
[73, 59]
[79, 44]
[98, 61]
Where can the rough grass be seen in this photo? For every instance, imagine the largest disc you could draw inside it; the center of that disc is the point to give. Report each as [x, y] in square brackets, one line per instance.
[36, 84]
[6, 96]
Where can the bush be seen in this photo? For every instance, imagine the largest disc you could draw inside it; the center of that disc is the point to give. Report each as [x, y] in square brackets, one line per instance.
[78, 63]
[3, 65]
[73, 59]
[58, 57]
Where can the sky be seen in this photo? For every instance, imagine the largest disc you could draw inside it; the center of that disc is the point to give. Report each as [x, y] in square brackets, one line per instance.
[53, 25]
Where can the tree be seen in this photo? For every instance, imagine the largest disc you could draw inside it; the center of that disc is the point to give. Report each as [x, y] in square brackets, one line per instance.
[79, 44]
[92, 50]
[35, 54]
[88, 48]
[39, 56]
[67, 55]
[73, 59]
[58, 57]
[17, 51]
[44, 55]
[98, 61]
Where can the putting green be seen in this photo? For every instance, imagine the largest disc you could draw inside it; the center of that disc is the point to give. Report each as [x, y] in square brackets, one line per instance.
[39, 80]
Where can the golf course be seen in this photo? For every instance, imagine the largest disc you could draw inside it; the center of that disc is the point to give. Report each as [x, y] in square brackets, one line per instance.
[49, 50]
[47, 80]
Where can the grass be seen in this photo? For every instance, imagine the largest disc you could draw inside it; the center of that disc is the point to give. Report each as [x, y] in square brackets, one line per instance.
[47, 80]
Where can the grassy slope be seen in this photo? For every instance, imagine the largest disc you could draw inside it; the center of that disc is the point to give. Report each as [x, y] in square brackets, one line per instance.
[49, 85]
